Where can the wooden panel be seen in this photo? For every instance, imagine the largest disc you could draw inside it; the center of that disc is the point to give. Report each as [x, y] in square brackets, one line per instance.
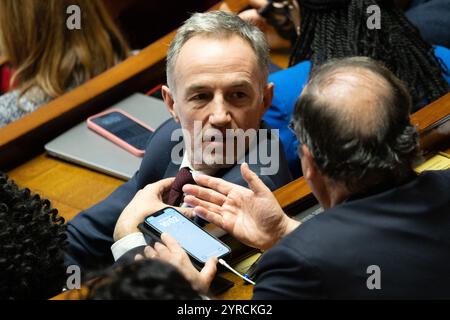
[432, 113]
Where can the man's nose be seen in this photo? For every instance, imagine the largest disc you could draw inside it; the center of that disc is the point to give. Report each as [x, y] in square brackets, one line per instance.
[220, 116]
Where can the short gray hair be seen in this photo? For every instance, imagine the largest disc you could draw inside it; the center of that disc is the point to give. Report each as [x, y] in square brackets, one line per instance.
[218, 24]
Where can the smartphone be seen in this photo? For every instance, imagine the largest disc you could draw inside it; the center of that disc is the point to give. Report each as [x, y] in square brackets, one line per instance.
[122, 129]
[199, 244]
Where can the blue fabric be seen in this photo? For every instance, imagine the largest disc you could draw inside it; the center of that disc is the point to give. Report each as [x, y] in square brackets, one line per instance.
[289, 84]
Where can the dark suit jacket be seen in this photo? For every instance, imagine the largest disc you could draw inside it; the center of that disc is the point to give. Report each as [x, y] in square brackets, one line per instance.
[404, 230]
[431, 17]
[90, 232]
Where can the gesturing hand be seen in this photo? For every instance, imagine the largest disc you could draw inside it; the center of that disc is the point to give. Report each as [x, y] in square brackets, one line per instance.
[252, 215]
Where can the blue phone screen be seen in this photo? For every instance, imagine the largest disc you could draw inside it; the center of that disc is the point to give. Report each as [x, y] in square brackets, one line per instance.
[192, 238]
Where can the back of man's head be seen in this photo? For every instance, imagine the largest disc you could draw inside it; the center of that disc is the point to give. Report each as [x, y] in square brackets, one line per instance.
[218, 24]
[353, 116]
[141, 280]
[32, 243]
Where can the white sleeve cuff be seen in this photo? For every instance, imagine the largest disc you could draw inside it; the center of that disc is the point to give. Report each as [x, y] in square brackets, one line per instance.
[131, 241]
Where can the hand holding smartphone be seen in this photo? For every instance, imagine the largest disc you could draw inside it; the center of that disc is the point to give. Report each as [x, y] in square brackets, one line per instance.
[198, 244]
[122, 129]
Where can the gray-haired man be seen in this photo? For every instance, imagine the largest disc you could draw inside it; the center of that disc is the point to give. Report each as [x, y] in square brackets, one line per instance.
[217, 69]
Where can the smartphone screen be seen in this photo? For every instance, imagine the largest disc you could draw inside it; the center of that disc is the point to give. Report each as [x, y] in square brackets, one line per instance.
[124, 128]
[194, 240]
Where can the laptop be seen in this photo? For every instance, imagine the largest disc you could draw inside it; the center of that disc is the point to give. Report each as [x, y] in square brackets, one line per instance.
[83, 146]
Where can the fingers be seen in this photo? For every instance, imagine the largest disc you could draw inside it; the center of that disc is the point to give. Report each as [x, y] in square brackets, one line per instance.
[171, 243]
[165, 184]
[149, 252]
[159, 187]
[162, 251]
[208, 272]
[138, 257]
[210, 216]
[195, 202]
[253, 181]
[205, 194]
[187, 212]
[216, 184]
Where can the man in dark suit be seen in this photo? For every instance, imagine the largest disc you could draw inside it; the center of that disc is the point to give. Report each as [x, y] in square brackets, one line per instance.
[217, 92]
[384, 232]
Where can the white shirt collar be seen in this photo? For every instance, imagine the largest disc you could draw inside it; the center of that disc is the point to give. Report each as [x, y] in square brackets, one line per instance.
[187, 163]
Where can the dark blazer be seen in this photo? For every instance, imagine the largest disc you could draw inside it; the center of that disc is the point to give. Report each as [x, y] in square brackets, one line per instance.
[90, 232]
[431, 17]
[405, 231]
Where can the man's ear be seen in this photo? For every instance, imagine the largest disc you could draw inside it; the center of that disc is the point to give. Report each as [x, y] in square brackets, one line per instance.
[268, 96]
[169, 101]
[308, 165]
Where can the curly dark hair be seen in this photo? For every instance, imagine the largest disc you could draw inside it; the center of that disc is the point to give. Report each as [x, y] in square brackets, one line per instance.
[32, 242]
[141, 280]
[360, 149]
[338, 29]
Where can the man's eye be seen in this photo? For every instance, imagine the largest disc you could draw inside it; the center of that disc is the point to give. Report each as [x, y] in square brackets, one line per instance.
[238, 95]
[200, 97]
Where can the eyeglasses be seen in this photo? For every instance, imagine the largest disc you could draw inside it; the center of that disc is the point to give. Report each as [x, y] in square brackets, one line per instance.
[291, 126]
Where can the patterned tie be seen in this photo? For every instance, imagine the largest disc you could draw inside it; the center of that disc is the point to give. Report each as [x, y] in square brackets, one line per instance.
[176, 195]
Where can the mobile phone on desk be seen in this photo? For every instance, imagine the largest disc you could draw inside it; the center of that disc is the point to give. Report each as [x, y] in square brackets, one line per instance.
[198, 243]
[122, 129]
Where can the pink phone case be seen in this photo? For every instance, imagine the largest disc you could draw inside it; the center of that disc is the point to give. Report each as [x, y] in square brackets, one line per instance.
[108, 135]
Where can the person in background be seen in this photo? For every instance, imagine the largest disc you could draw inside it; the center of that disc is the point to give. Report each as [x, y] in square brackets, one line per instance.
[47, 58]
[32, 242]
[332, 29]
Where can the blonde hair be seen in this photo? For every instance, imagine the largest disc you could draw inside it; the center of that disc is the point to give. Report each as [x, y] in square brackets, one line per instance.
[45, 54]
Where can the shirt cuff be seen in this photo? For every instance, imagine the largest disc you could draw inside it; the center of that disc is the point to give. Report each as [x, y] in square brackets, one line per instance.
[131, 241]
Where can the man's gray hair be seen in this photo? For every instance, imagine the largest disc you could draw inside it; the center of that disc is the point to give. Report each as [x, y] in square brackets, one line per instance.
[218, 24]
